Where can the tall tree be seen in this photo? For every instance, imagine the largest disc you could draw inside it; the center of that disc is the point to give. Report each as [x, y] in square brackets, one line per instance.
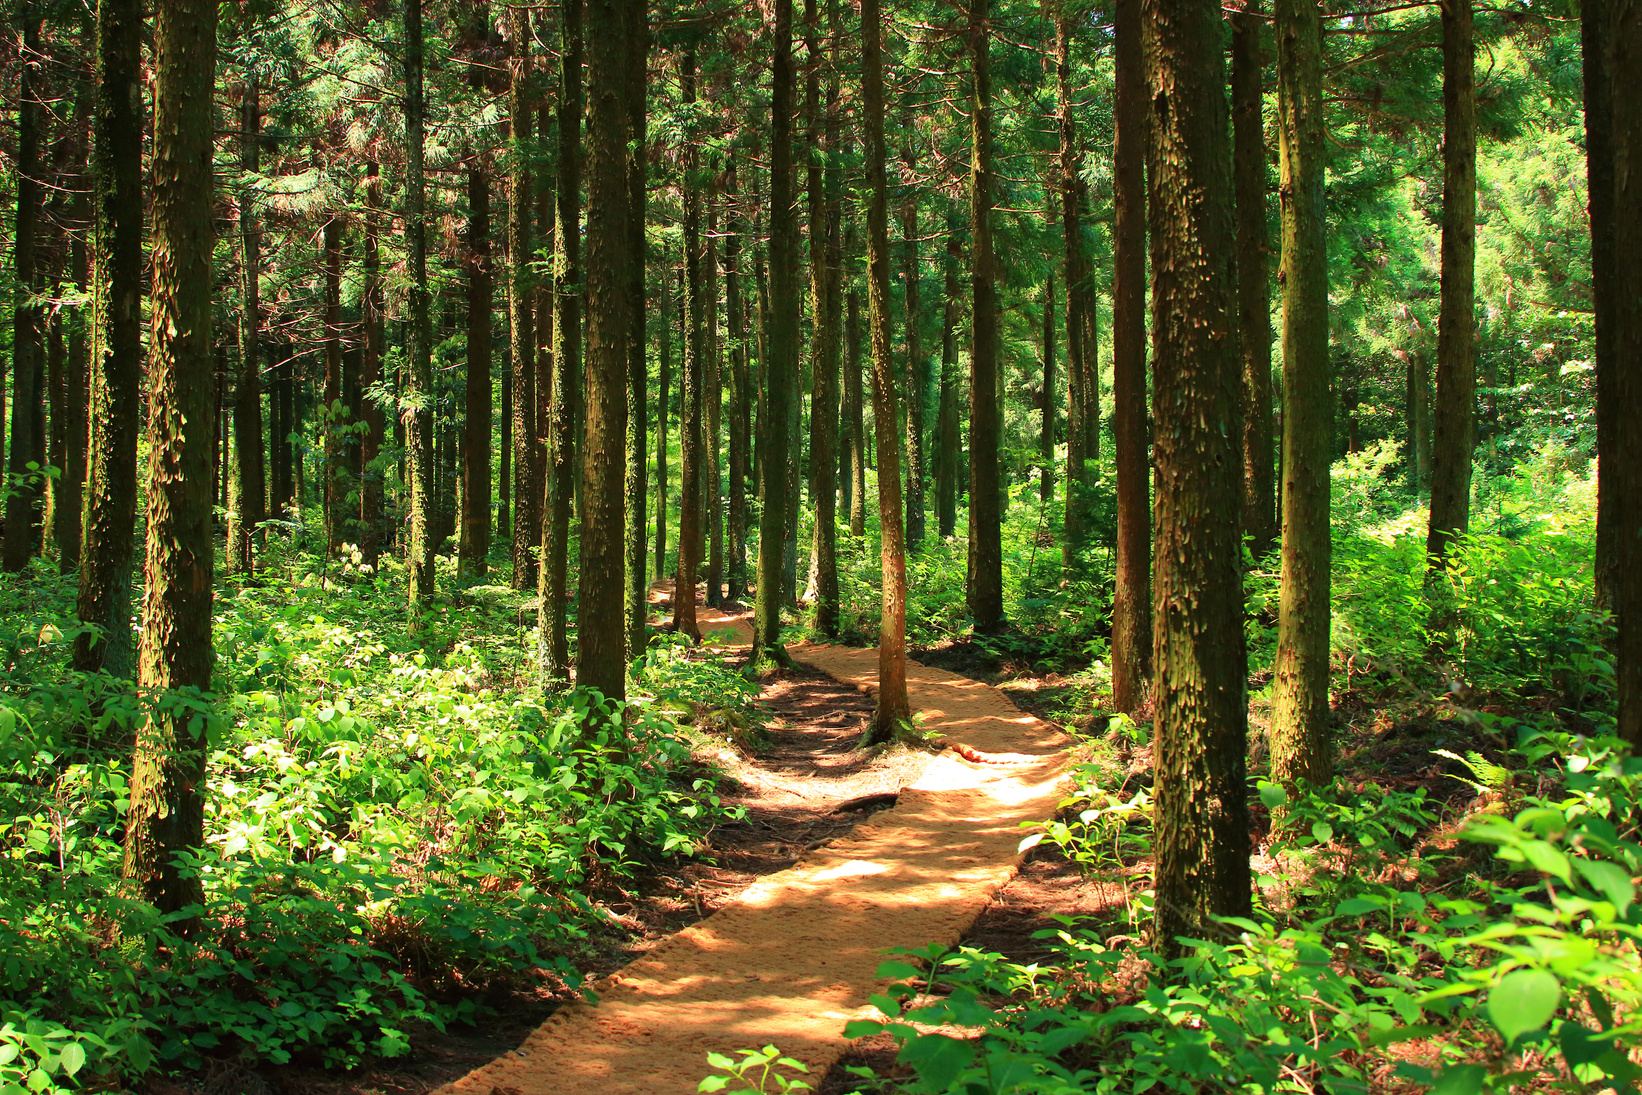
[852, 426]
[824, 308]
[474, 547]
[1253, 291]
[894, 708]
[567, 354]
[1594, 23]
[108, 538]
[665, 369]
[915, 352]
[740, 385]
[601, 631]
[1046, 434]
[372, 310]
[712, 402]
[167, 812]
[1453, 413]
[782, 356]
[250, 488]
[333, 415]
[521, 292]
[1132, 593]
[1301, 750]
[1625, 26]
[71, 488]
[985, 414]
[692, 399]
[417, 415]
[948, 447]
[1200, 812]
[636, 486]
[22, 536]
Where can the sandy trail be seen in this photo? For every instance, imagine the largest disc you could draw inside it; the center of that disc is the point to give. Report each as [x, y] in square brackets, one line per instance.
[796, 956]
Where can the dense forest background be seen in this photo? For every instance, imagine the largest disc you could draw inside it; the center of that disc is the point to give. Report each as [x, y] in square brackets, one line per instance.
[1238, 377]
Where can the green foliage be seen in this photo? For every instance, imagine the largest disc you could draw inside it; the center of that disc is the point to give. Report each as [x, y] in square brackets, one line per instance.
[1534, 983]
[391, 824]
[758, 1070]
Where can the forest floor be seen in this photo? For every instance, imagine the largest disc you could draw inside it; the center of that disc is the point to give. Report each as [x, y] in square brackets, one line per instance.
[807, 787]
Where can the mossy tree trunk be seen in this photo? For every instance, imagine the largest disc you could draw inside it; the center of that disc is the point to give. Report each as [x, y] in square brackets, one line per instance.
[636, 487]
[1253, 290]
[692, 397]
[521, 297]
[985, 414]
[1200, 813]
[167, 812]
[24, 501]
[1301, 750]
[418, 413]
[473, 549]
[250, 488]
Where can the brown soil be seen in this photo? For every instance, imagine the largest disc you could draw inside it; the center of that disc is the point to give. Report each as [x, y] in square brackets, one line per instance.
[795, 956]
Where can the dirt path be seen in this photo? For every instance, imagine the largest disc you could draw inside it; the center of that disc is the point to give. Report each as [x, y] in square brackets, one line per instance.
[795, 957]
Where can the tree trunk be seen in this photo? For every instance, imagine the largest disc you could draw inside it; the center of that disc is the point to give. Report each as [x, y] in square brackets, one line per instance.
[781, 361]
[1046, 441]
[1626, 30]
[693, 399]
[636, 486]
[713, 395]
[1453, 417]
[71, 498]
[854, 426]
[948, 456]
[736, 571]
[567, 354]
[521, 294]
[1132, 595]
[333, 415]
[985, 414]
[372, 309]
[915, 356]
[22, 536]
[418, 417]
[601, 628]
[1253, 289]
[474, 547]
[250, 488]
[825, 284]
[1302, 753]
[167, 811]
[1200, 814]
[116, 309]
[1594, 23]
[894, 709]
[663, 397]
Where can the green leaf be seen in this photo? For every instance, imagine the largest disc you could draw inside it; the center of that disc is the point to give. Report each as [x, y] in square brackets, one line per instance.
[1357, 906]
[1611, 881]
[1524, 1001]
[73, 1058]
[713, 1083]
[1322, 832]
[937, 1058]
[1460, 1080]
[1273, 795]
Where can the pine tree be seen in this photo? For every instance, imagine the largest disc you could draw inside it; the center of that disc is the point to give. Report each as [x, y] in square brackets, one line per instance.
[1253, 290]
[167, 812]
[1200, 813]
[417, 416]
[985, 415]
[23, 502]
[1625, 28]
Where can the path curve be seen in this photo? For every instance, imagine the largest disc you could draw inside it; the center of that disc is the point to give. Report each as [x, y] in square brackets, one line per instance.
[795, 957]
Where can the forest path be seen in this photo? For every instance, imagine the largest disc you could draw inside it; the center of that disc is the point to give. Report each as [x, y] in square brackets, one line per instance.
[795, 957]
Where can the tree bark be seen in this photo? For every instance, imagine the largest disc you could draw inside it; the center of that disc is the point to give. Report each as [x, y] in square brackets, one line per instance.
[1132, 594]
[23, 503]
[713, 399]
[1626, 30]
[915, 355]
[109, 535]
[334, 415]
[1594, 24]
[565, 408]
[473, 550]
[521, 294]
[693, 397]
[418, 415]
[985, 414]
[1301, 750]
[948, 456]
[1253, 288]
[636, 485]
[782, 358]
[736, 571]
[663, 397]
[372, 309]
[601, 628]
[250, 488]
[825, 284]
[71, 498]
[1453, 415]
[1046, 438]
[854, 426]
[1200, 813]
[894, 710]
[167, 811]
